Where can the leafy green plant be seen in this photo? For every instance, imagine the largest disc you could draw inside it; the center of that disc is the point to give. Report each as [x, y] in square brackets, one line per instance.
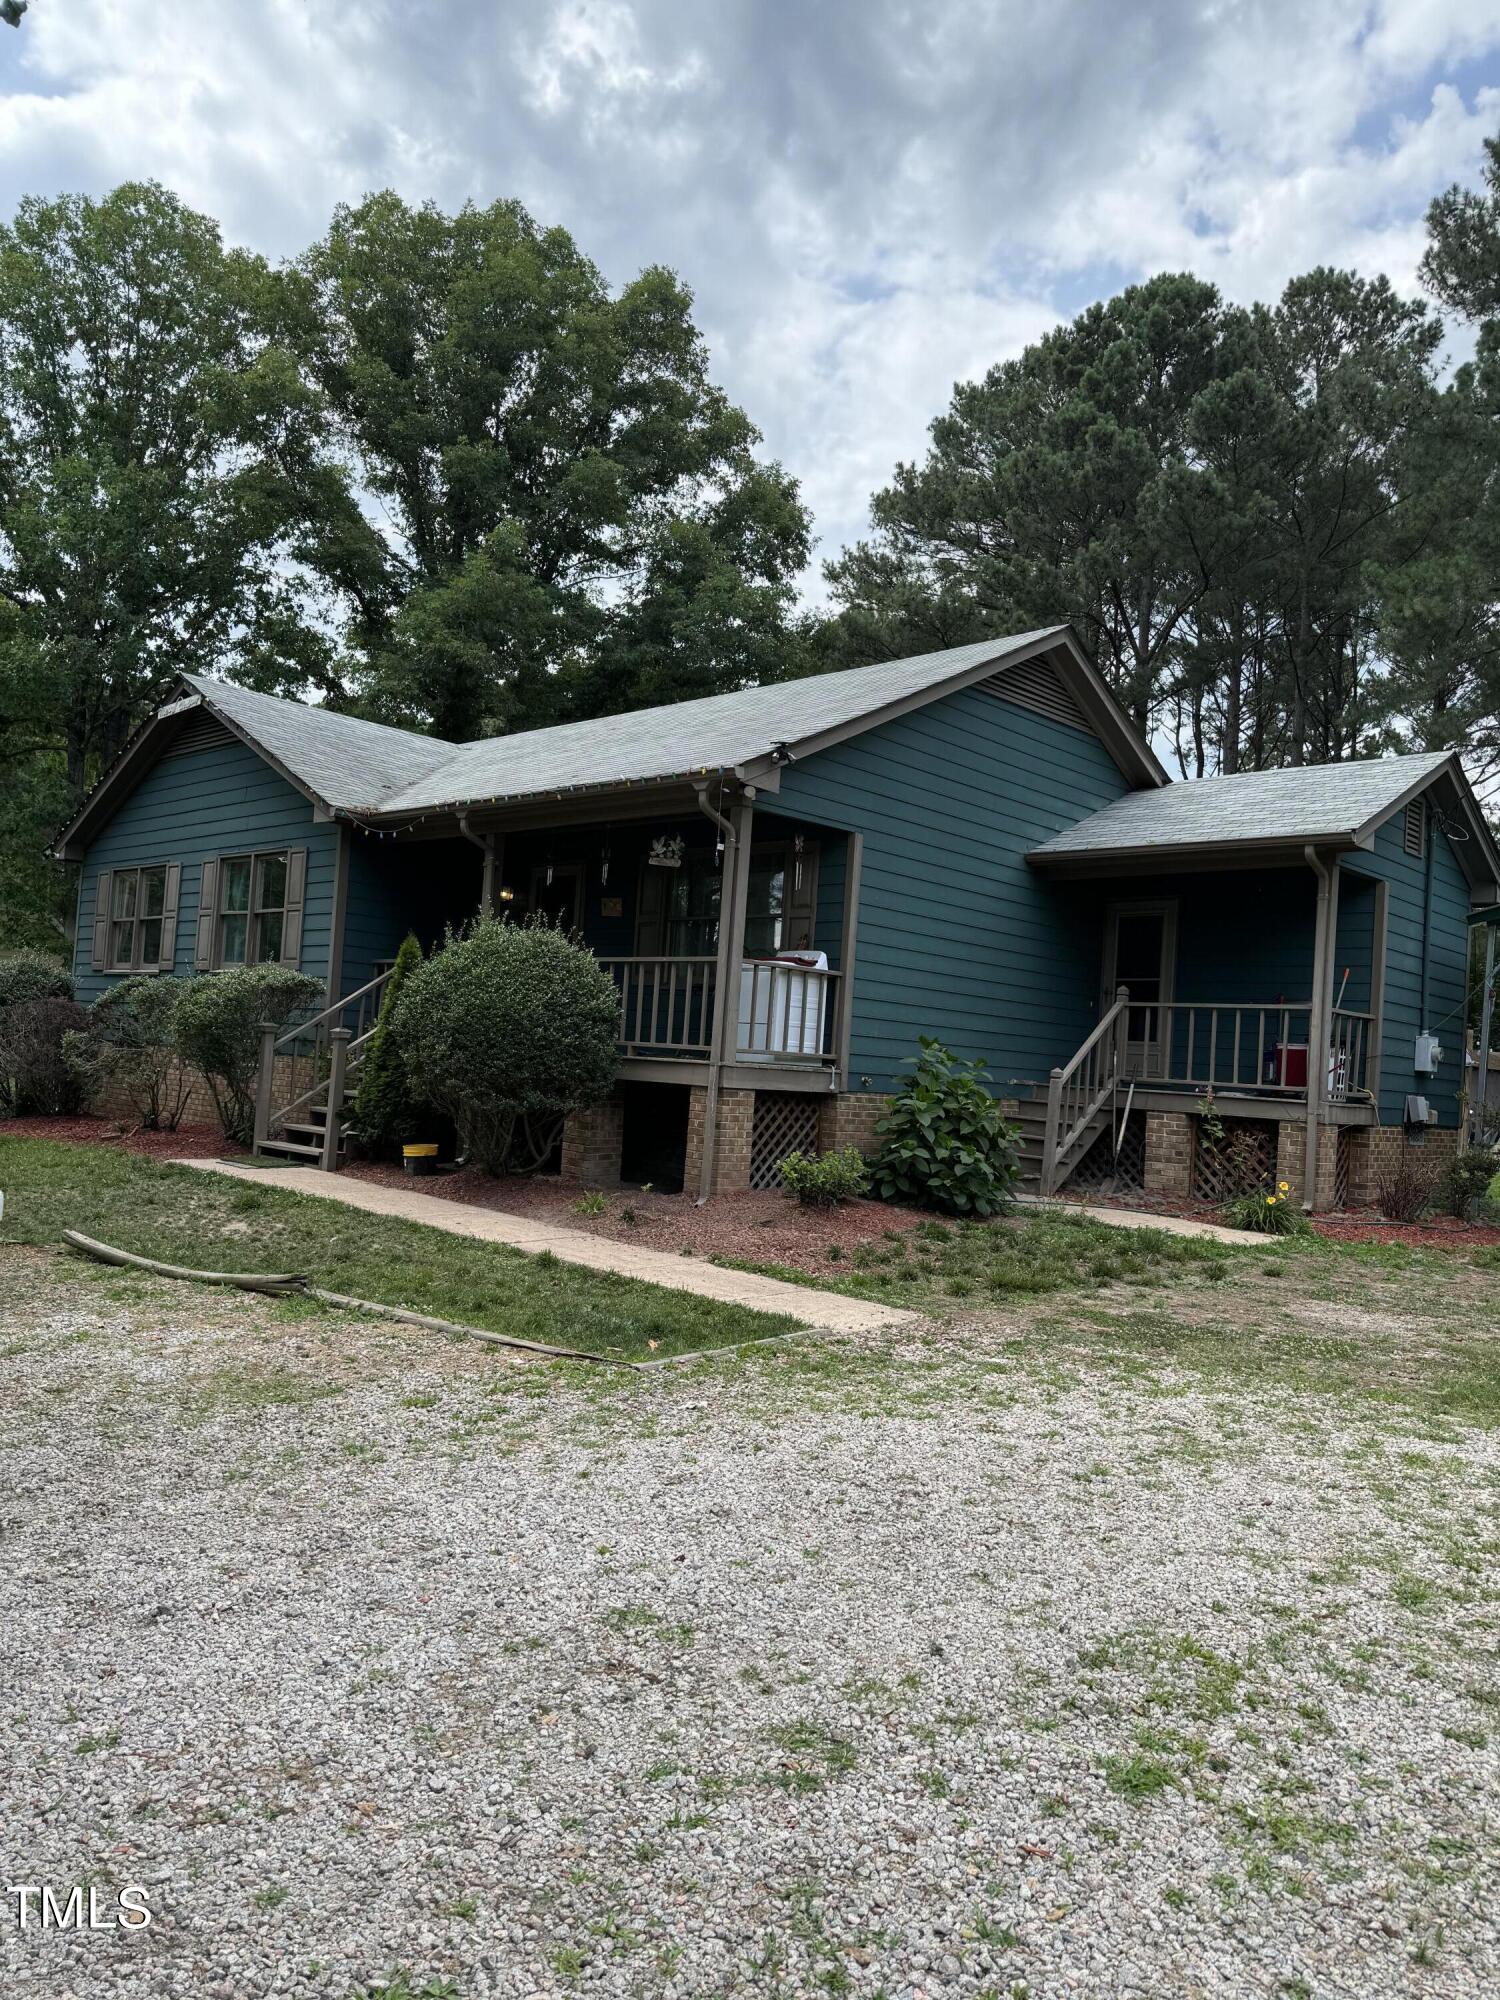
[32, 975]
[217, 1027]
[945, 1141]
[133, 1046]
[508, 1024]
[1268, 1209]
[37, 1072]
[386, 1109]
[824, 1180]
[1464, 1185]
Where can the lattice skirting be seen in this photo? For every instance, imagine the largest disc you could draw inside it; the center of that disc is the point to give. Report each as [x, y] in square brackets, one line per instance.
[1100, 1165]
[1240, 1162]
[1341, 1154]
[785, 1122]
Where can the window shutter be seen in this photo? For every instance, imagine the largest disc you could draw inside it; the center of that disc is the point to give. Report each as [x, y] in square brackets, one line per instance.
[296, 890]
[208, 897]
[171, 892]
[799, 932]
[651, 911]
[104, 885]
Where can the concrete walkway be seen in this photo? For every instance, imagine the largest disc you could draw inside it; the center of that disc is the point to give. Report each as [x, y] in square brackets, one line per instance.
[833, 1312]
[1142, 1218]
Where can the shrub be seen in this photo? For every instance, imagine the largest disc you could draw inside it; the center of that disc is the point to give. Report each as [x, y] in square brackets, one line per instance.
[1463, 1187]
[1269, 1209]
[217, 1026]
[38, 1074]
[1404, 1187]
[945, 1140]
[506, 1028]
[824, 1180]
[133, 1046]
[386, 1111]
[32, 975]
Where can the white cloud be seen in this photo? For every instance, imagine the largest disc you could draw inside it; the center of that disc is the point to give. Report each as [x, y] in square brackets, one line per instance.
[870, 200]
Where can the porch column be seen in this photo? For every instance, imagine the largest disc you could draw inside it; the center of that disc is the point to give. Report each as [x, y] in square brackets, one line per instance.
[734, 895]
[1320, 1013]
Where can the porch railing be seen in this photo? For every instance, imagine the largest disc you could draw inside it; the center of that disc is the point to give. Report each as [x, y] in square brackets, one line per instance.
[1263, 1049]
[786, 1013]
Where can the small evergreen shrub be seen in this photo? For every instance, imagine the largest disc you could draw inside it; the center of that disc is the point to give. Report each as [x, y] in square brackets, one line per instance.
[1464, 1185]
[1268, 1209]
[508, 1027]
[386, 1111]
[217, 1028]
[824, 1180]
[133, 1046]
[32, 975]
[945, 1141]
[39, 1075]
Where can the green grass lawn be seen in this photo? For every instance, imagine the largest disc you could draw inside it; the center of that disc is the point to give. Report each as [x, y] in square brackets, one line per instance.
[940, 1263]
[210, 1223]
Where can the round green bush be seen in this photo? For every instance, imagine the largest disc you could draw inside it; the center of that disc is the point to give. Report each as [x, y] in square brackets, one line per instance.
[32, 975]
[135, 1048]
[217, 1026]
[824, 1180]
[39, 1072]
[508, 1022]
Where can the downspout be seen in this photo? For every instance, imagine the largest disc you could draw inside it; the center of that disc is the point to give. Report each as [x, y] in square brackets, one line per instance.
[485, 842]
[1318, 1022]
[709, 1151]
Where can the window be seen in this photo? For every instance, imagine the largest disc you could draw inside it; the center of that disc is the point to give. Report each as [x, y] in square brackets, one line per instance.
[137, 913]
[1416, 827]
[252, 909]
[693, 905]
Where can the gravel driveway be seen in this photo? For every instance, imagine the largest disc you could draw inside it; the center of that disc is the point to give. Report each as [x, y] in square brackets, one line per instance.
[837, 1670]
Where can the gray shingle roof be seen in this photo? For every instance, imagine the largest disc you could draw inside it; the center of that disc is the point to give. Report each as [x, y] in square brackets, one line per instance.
[1317, 802]
[344, 760]
[717, 732]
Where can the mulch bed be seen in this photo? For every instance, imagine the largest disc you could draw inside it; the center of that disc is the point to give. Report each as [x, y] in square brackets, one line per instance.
[188, 1142]
[751, 1228]
[1438, 1232]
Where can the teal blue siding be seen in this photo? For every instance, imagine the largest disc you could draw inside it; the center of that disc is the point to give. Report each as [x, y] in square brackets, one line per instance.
[191, 808]
[400, 886]
[1405, 878]
[957, 936]
[1354, 944]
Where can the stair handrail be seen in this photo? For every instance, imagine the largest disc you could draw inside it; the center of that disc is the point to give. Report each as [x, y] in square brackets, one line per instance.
[1077, 1089]
[269, 1117]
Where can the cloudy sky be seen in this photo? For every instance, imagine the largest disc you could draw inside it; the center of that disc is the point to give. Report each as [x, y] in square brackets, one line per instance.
[870, 199]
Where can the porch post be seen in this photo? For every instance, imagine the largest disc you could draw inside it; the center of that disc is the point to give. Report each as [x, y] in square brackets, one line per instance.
[733, 896]
[263, 1084]
[854, 848]
[1320, 1014]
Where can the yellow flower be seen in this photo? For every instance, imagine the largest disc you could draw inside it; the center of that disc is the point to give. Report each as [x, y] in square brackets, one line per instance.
[1285, 1186]
[1270, 1201]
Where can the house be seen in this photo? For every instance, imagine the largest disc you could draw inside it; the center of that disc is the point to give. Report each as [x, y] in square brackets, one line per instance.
[789, 885]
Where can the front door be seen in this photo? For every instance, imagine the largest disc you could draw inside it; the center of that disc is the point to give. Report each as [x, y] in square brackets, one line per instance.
[1140, 944]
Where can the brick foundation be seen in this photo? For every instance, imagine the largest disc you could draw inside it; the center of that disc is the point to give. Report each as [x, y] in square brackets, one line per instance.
[591, 1144]
[1376, 1149]
[849, 1118]
[732, 1159]
[291, 1076]
[1168, 1171]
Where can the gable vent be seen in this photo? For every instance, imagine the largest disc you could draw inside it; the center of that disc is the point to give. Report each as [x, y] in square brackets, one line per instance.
[1415, 831]
[201, 731]
[1037, 685]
